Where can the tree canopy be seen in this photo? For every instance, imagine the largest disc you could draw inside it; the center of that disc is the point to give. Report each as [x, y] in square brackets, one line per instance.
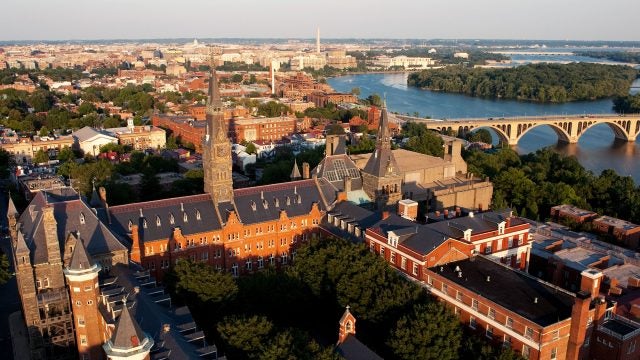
[556, 83]
[423, 140]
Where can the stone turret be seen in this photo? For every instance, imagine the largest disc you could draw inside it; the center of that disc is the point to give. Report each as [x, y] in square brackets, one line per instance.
[128, 341]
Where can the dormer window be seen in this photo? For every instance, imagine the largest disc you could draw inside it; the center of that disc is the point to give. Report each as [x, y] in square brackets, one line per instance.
[276, 202]
[265, 204]
[501, 227]
[144, 223]
[185, 218]
[392, 239]
[198, 214]
[82, 218]
[158, 223]
[172, 220]
[299, 199]
[288, 200]
[467, 235]
[253, 205]
[130, 225]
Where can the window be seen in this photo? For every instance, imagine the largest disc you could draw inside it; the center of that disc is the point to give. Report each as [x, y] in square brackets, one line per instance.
[90, 302]
[45, 284]
[554, 353]
[403, 263]
[372, 247]
[260, 262]
[525, 351]
[632, 347]
[205, 256]
[510, 242]
[528, 333]
[586, 341]
[472, 322]
[608, 314]
[487, 250]
[507, 341]
[445, 288]
[509, 323]
[458, 296]
[392, 258]
[474, 304]
[272, 259]
[491, 314]
[415, 269]
[81, 320]
[382, 251]
[234, 269]
[38, 284]
[556, 335]
[82, 218]
[78, 303]
[88, 288]
[284, 257]
[83, 340]
[489, 332]
[249, 265]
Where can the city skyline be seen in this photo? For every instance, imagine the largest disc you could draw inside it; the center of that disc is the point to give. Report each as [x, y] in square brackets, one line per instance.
[492, 19]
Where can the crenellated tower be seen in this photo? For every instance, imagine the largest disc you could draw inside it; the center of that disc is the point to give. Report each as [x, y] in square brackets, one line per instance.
[217, 147]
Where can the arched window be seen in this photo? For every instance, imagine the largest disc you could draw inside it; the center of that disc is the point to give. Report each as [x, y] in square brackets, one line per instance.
[130, 225]
[172, 220]
[348, 326]
[82, 218]
[158, 223]
[185, 218]
[197, 214]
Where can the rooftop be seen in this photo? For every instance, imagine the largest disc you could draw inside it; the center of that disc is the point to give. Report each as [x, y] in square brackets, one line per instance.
[516, 291]
[573, 210]
[617, 223]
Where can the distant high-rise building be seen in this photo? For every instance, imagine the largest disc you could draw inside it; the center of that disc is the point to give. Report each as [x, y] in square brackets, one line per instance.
[318, 40]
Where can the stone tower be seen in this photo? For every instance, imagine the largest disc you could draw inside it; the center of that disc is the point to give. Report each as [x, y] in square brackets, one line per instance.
[217, 147]
[82, 279]
[128, 341]
[381, 179]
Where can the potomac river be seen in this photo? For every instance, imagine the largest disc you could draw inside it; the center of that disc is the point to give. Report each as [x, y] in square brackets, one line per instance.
[596, 149]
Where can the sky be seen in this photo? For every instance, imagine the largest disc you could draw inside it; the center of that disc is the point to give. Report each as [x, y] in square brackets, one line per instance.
[416, 19]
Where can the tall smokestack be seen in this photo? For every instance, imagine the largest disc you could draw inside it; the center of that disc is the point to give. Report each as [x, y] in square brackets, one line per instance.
[273, 79]
[318, 40]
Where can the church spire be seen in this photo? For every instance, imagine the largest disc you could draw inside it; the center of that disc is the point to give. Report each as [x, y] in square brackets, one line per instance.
[295, 172]
[384, 135]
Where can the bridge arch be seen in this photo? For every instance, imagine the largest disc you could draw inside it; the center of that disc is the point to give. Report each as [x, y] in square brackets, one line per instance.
[622, 129]
[502, 135]
[561, 129]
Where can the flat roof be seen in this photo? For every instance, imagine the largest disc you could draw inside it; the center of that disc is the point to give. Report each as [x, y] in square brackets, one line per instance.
[617, 223]
[521, 293]
[620, 327]
[573, 210]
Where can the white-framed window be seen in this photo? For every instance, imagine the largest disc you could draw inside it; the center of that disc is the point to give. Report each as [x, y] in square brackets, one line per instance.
[403, 263]
[509, 323]
[45, 283]
[459, 295]
[489, 332]
[526, 351]
[556, 334]
[554, 353]
[83, 340]
[78, 303]
[284, 257]
[81, 321]
[272, 259]
[506, 343]
[234, 269]
[205, 256]
[249, 264]
[89, 302]
[415, 269]
[260, 262]
[445, 288]
[392, 257]
[38, 284]
[474, 304]
[510, 242]
[472, 322]
[608, 314]
[382, 251]
[487, 249]
[528, 333]
[372, 247]
[491, 314]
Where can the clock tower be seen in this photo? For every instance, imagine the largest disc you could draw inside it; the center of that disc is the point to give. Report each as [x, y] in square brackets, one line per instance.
[216, 159]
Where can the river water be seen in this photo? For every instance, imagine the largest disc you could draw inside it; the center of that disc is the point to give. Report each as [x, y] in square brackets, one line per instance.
[596, 149]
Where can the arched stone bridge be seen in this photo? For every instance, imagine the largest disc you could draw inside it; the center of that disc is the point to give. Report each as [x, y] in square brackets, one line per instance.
[511, 130]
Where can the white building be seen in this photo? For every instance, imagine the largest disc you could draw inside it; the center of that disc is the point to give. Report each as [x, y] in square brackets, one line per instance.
[404, 61]
[89, 140]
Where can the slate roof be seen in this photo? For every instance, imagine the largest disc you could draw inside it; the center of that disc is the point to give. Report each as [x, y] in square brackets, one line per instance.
[126, 329]
[513, 290]
[80, 260]
[72, 214]
[352, 349]
[158, 216]
[295, 197]
[331, 172]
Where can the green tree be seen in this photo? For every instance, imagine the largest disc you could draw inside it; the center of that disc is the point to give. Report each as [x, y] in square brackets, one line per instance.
[86, 108]
[335, 129]
[66, 154]
[203, 281]
[480, 135]
[245, 336]
[251, 148]
[150, 188]
[423, 140]
[428, 332]
[374, 99]
[40, 156]
[355, 91]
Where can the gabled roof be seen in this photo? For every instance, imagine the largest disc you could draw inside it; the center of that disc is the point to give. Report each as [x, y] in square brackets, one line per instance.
[88, 133]
[162, 216]
[127, 333]
[352, 349]
[264, 203]
[72, 214]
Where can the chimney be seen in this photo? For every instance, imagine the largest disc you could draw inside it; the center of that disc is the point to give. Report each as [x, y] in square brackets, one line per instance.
[136, 253]
[590, 282]
[579, 323]
[328, 146]
[347, 183]
[305, 170]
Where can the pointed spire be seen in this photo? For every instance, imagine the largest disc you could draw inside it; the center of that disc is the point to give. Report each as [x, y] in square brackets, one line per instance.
[214, 101]
[295, 173]
[21, 244]
[95, 199]
[384, 136]
[80, 260]
[11, 207]
[127, 333]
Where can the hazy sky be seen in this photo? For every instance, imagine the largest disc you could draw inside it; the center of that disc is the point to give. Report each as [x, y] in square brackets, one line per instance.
[451, 19]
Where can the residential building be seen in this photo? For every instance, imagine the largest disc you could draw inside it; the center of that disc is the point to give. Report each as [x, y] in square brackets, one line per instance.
[140, 137]
[266, 129]
[90, 140]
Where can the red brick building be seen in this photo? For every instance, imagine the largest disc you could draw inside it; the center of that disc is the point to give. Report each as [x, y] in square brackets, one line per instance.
[261, 129]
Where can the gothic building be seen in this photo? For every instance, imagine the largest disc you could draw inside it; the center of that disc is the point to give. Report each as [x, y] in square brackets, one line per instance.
[380, 177]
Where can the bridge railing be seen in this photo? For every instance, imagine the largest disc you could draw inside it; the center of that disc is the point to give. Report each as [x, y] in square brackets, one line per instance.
[520, 118]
